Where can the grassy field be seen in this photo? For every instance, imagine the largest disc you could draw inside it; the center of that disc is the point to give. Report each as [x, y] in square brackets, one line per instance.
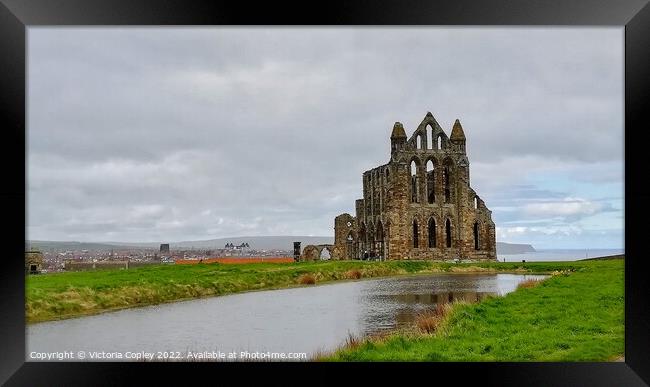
[575, 316]
[73, 294]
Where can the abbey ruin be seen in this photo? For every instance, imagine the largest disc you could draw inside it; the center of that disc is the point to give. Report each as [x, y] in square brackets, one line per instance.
[420, 204]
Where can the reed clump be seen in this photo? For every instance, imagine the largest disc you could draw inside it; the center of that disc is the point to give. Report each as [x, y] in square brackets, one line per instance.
[529, 283]
[307, 279]
[429, 321]
[352, 342]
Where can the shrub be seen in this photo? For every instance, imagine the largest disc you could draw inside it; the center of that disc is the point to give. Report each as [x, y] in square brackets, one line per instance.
[307, 279]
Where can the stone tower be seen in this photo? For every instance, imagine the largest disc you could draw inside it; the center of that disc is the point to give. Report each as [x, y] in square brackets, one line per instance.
[420, 204]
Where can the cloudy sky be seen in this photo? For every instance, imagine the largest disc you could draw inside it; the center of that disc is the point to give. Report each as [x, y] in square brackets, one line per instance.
[150, 134]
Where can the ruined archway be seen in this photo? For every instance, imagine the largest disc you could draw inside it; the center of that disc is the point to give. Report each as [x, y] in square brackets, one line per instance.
[338, 253]
[351, 246]
[310, 253]
[325, 254]
[319, 252]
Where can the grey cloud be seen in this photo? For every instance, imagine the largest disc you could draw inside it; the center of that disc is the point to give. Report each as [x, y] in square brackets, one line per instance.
[270, 129]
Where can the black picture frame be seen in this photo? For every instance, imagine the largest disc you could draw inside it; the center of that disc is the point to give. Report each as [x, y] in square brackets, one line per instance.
[17, 15]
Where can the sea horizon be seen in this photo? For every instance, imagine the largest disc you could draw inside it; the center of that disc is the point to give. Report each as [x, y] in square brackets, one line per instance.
[559, 255]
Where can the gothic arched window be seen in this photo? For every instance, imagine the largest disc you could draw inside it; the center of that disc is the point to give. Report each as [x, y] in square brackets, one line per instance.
[432, 233]
[414, 182]
[415, 233]
[431, 182]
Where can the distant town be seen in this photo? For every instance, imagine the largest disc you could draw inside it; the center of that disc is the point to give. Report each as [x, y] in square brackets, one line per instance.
[49, 259]
[58, 256]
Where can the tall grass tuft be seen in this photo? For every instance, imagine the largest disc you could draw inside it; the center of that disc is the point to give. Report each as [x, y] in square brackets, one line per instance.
[307, 279]
[352, 342]
[529, 283]
[429, 321]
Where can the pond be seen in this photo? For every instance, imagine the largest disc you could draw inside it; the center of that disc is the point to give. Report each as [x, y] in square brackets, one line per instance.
[296, 320]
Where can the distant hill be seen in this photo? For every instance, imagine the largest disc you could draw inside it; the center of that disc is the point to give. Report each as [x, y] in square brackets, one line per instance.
[70, 245]
[255, 242]
[514, 248]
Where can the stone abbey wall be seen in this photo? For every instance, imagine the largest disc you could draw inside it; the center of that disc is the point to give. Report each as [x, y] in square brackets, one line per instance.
[420, 204]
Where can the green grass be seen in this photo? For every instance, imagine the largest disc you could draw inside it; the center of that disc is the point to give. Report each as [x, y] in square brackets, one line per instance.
[577, 316]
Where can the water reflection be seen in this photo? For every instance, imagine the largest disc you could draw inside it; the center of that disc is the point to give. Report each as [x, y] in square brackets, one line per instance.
[406, 307]
[393, 303]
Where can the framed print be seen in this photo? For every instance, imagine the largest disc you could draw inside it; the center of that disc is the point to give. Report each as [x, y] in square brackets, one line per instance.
[445, 188]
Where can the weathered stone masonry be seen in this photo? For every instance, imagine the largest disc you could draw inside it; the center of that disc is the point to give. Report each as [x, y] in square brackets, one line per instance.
[420, 204]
